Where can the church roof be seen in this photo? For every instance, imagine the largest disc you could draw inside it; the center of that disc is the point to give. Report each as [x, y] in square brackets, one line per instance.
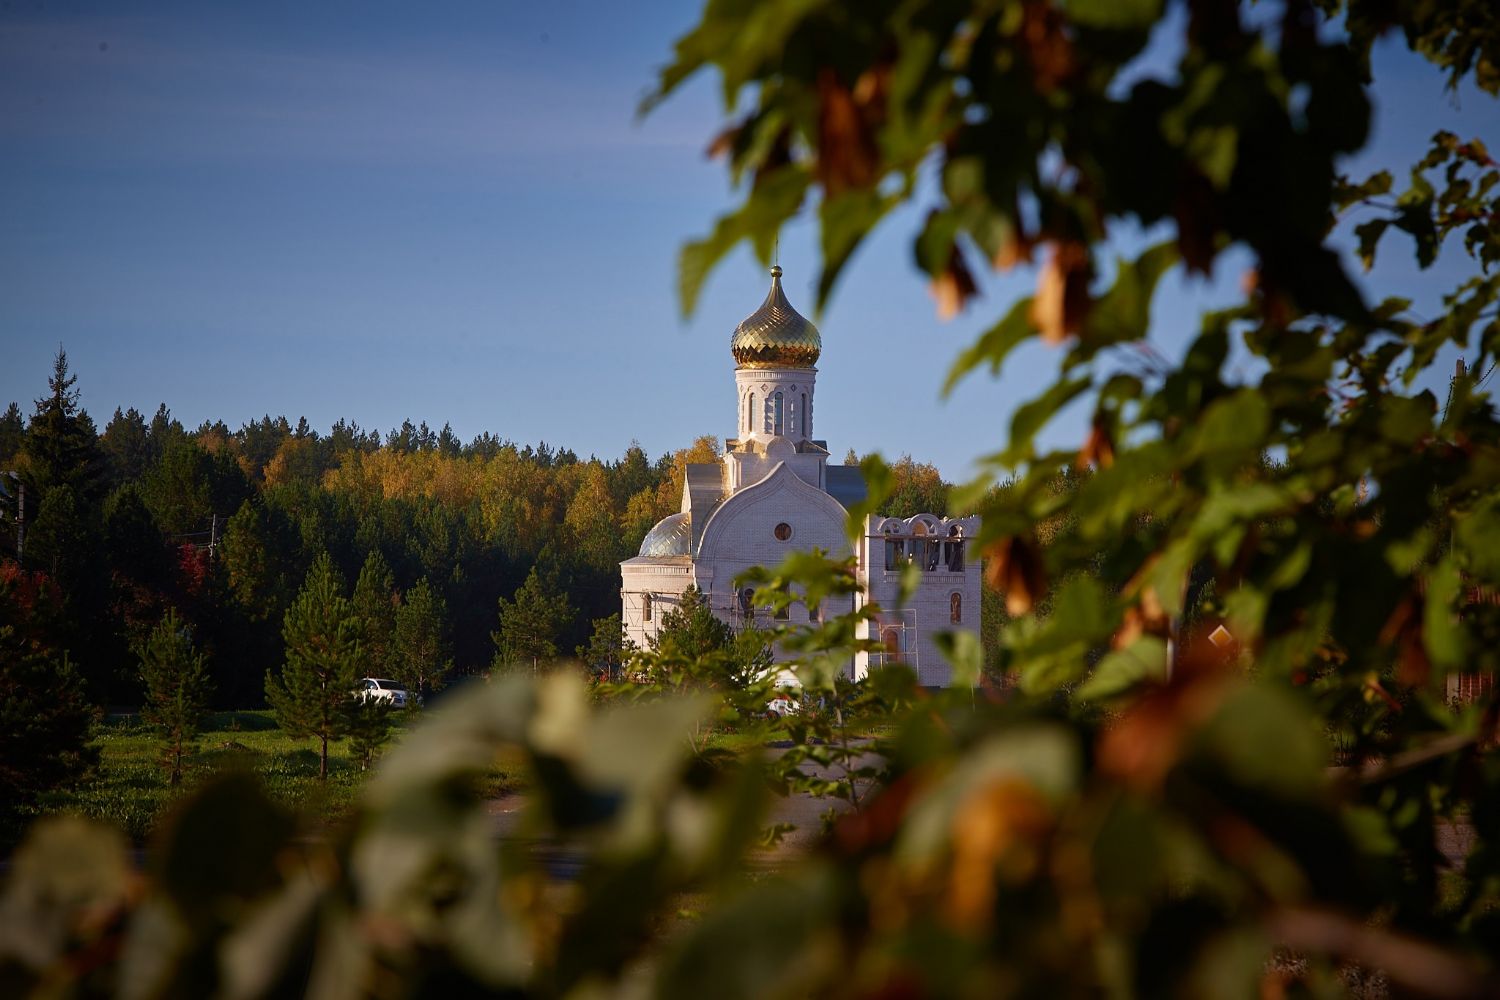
[705, 488]
[846, 484]
[776, 335]
[672, 536]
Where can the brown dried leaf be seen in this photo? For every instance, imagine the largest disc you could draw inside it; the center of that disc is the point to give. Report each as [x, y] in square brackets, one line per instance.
[723, 142]
[996, 827]
[1046, 44]
[1148, 740]
[1099, 449]
[1062, 296]
[1015, 249]
[847, 154]
[1014, 570]
[954, 287]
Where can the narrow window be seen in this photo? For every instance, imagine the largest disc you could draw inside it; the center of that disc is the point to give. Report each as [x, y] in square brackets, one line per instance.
[646, 608]
[776, 415]
[802, 424]
[891, 639]
[956, 609]
[956, 549]
[747, 609]
[750, 416]
[814, 613]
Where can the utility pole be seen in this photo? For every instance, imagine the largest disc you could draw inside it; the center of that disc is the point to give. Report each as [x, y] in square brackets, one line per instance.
[20, 512]
[213, 535]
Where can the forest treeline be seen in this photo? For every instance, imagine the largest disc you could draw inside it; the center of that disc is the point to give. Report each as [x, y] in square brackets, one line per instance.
[221, 526]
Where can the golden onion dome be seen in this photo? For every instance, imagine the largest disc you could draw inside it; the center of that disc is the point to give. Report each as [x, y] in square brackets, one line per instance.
[776, 335]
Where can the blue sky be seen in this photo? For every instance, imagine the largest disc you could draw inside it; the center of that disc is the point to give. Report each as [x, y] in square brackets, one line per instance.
[381, 211]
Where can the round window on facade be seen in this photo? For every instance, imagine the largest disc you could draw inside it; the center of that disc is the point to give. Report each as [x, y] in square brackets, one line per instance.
[783, 531]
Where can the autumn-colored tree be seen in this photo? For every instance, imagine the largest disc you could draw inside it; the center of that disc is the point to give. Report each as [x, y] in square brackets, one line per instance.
[592, 521]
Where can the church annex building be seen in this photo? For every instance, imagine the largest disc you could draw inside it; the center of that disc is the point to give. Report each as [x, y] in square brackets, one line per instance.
[775, 491]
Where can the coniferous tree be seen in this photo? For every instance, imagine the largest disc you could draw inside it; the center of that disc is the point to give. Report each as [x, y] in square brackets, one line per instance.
[61, 444]
[420, 652]
[126, 444]
[374, 604]
[368, 723]
[607, 648]
[12, 435]
[530, 623]
[165, 430]
[691, 629]
[177, 688]
[259, 551]
[45, 715]
[311, 696]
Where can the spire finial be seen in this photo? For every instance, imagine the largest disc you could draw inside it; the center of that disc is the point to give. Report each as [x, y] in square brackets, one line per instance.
[775, 270]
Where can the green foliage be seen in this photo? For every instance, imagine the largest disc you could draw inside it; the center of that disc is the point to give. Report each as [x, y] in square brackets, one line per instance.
[531, 623]
[260, 553]
[177, 689]
[608, 648]
[693, 651]
[12, 434]
[1154, 813]
[323, 659]
[62, 447]
[368, 726]
[1346, 586]
[188, 485]
[374, 604]
[44, 720]
[419, 653]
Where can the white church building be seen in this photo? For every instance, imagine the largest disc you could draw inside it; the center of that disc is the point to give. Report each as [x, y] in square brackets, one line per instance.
[774, 492]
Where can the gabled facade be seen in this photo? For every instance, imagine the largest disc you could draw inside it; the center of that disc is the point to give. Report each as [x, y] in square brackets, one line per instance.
[774, 492]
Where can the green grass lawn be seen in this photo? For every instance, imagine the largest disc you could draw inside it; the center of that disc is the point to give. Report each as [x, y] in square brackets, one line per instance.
[129, 788]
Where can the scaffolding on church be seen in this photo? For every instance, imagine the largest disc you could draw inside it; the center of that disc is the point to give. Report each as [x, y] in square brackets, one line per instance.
[898, 639]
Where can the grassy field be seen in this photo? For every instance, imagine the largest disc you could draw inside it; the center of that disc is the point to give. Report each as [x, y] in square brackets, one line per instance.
[129, 787]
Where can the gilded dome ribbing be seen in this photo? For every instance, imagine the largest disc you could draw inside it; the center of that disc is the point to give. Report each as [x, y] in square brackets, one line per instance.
[776, 335]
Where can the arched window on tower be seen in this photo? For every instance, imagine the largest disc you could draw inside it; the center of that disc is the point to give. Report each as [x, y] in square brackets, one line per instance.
[646, 607]
[750, 416]
[802, 423]
[894, 549]
[956, 609]
[955, 546]
[777, 424]
[891, 640]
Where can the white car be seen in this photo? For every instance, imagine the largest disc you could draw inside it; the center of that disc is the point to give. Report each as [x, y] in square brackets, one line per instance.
[782, 705]
[382, 689]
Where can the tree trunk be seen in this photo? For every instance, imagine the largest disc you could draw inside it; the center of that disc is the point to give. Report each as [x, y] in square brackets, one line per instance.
[323, 762]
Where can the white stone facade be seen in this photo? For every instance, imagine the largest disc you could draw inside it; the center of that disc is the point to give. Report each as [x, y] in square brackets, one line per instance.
[775, 493]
